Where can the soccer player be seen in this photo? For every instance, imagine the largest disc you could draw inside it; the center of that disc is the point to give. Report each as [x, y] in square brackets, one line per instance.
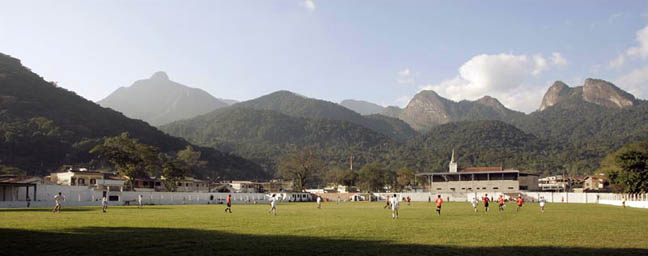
[139, 201]
[520, 202]
[387, 200]
[439, 202]
[408, 200]
[104, 204]
[319, 202]
[394, 206]
[623, 202]
[501, 203]
[228, 201]
[338, 200]
[486, 201]
[475, 202]
[542, 202]
[57, 199]
[273, 205]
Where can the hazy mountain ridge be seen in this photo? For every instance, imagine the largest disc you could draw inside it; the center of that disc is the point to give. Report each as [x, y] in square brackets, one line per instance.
[362, 107]
[292, 104]
[159, 101]
[44, 127]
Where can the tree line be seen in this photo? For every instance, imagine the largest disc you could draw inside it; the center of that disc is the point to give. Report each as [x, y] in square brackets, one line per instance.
[133, 160]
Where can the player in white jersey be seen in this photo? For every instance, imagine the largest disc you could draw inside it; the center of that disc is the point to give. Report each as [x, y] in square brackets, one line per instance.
[394, 205]
[104, 204]
[475, 203]
[319, 202]
[542, 203]
[57, 199]
[273, 205]
[139, 201]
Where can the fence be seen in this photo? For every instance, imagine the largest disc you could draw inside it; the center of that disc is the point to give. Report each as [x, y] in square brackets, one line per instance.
[84, 196]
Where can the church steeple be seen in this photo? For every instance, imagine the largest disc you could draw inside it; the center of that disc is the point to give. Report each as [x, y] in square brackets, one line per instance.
[452, 159]
[453, 165]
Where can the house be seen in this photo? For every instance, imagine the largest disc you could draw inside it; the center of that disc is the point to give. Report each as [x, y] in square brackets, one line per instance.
[277, 185]
[240, 186]
[553, 183]
[148, 184]
[596, 182]
[191, 184]
[85, 177]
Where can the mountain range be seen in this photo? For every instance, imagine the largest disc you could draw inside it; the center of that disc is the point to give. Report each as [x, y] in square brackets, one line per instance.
[427, 109]
[570, 132]
[43, 127]
[158, 100]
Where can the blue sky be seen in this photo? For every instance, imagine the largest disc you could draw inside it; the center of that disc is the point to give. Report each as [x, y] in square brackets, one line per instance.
[380, 51]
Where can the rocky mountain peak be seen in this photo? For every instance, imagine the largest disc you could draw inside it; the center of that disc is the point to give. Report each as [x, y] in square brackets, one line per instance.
[606, 94]
[160, 75]
[491, 102]
[557, 93]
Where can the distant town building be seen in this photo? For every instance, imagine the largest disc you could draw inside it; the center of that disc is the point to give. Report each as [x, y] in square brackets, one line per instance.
[479, 179]
[596, 183]
[244, 186]
[85, 177]
[554, 183]
[191, 184]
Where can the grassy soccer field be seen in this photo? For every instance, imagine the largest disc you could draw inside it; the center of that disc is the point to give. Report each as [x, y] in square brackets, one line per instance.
[347, 229]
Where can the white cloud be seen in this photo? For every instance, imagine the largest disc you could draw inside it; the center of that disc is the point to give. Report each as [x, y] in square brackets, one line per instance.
[402, 101]
[639, 51]
[503, 76]
[540, 64]
[642, 49]
[558, 60]
[404, 72]
[635, 82]
[405, 77]
[309, 5]
[614, 17]
[617, 62]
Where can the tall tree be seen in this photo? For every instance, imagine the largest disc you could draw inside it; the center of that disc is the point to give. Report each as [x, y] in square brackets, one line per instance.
[190, 158]
[301, 166]
[375, 177]
[10, 170]
[628, 168]
[404, 178]
[130, 158]
[172, 171]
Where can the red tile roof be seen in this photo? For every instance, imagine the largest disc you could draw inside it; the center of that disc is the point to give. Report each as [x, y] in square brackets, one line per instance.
[481, 169]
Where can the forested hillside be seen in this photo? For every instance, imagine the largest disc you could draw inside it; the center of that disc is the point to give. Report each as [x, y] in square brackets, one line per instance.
[299, 106]
[265, 136]
[43, 127]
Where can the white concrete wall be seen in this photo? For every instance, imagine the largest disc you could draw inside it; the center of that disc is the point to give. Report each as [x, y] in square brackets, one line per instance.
[84, 196]
[551, 197]
[635, 204]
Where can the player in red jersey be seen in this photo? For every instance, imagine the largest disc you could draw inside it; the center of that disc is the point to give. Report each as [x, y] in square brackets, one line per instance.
[439, 202]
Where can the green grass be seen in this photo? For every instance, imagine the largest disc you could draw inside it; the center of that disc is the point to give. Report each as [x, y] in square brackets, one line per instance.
[347, 229]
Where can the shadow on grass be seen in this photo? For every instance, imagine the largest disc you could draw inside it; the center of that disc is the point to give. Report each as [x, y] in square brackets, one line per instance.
[71, 209]
[81, 209]
[169, 241]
